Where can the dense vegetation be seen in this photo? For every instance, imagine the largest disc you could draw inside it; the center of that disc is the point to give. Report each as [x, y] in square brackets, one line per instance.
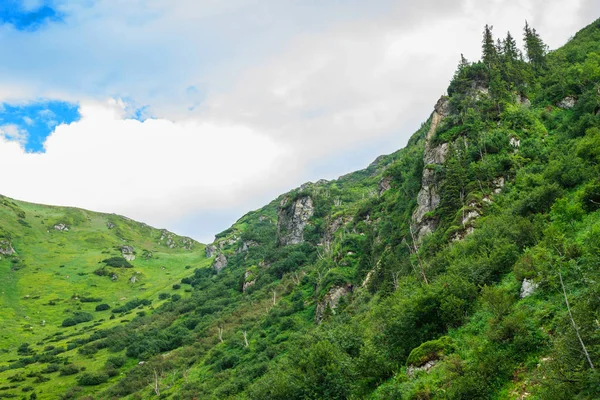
[501, 300]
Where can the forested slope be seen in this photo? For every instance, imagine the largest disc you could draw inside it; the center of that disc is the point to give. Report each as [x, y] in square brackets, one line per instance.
[465, 265]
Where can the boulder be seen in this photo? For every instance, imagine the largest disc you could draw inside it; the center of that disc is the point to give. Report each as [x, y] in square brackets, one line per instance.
[567, 103]
[128, 253]
[6, 247]
[528, 287]
[385, 184]
[61, 227]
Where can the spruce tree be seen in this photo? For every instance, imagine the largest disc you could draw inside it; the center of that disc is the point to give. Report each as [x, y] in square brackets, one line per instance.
[490, 53]
[535, 48]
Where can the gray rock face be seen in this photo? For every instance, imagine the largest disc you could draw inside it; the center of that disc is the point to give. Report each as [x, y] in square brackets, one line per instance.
[220, 262]
[246, 245]
[292, 219]
[331, 300]
[567, 103]
[249, 280]
[528, 287]
[385, 184]
[429, 197]
[6, 247]
[167, 238]
[128, 253]
[210, 250]
[61, 227]
[110, 225]
[188, 244]
[412, 370]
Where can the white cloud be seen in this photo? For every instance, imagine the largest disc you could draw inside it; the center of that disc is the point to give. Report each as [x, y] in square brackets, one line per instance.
[11, 132]
[251, 93]
[155, 171]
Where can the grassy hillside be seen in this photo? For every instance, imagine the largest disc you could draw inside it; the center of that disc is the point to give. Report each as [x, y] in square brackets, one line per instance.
[464, 266]
[53, 276]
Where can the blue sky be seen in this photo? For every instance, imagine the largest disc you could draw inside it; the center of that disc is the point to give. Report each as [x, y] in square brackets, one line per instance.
[29, 15]
[197, 111]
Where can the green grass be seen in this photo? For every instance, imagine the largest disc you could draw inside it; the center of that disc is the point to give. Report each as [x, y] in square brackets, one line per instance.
[57, 267]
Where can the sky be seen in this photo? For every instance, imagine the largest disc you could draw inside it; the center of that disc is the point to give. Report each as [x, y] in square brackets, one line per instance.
[187, 114]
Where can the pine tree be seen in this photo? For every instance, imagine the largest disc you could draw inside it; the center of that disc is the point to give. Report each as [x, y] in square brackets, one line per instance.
[535, 48]
[490, 53]
[509, 48]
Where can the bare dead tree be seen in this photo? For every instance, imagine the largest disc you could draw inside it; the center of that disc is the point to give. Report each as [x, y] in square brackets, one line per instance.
[396, 280]
[245, 338]
[575, 327]
[221, 333]
[155, 384]
[274, 297]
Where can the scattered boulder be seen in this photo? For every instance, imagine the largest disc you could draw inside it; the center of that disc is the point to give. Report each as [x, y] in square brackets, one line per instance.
[188, 244]
[110, 225]
[210, 250]
[293, 217]
[128, 253]
[514, 142]
[567, 103]
[424, 357]
[528, 287]
[6, 247]
[61, 227]
[331, 300]
[167, 238]
[220, 262]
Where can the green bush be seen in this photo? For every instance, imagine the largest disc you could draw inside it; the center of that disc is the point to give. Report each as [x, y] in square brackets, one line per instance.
[431, 350]
[69, 369]
[102, 307]
[92, 378]
[117, 262]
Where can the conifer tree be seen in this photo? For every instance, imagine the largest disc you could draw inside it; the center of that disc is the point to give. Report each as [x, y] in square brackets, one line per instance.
[535, 48]
[509, 48]
[490, 53]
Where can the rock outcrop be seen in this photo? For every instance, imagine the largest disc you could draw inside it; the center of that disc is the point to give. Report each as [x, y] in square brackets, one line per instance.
[385, 184]
[61, 227]
[220, 262]
[567, 103]
[528, 287]
[173, 241]
[210, 250]
[128, 253]
[249, 280]
[331, 301]
[429, 197]
[246, 245]
[293, 217]
[110, 225]
[6, 248]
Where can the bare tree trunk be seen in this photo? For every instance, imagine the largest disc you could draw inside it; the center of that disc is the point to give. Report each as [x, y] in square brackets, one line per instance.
[587, 355]
[245, 338]
[155, 384]
[274, 297]
[221, 333]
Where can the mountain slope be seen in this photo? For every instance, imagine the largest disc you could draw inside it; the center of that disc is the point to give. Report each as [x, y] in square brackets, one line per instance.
[52, 270]
[462, 266]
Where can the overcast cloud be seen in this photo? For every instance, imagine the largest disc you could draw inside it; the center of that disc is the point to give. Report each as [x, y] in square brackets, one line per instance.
[248, 99]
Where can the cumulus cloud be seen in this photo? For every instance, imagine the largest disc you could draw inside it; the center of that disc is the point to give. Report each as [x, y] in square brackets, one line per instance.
[155, 171]
[248, 95]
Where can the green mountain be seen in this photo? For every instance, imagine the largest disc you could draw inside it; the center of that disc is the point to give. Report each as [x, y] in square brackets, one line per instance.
[464, 266]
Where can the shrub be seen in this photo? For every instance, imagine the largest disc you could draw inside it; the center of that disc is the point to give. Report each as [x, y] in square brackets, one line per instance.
[117, 262]
[116, 362]
[431, 350]
[176, 286]
[90, 299]
[92, 378]
[163, 296]
[69, 369]
[78, 318]
[102, 307]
